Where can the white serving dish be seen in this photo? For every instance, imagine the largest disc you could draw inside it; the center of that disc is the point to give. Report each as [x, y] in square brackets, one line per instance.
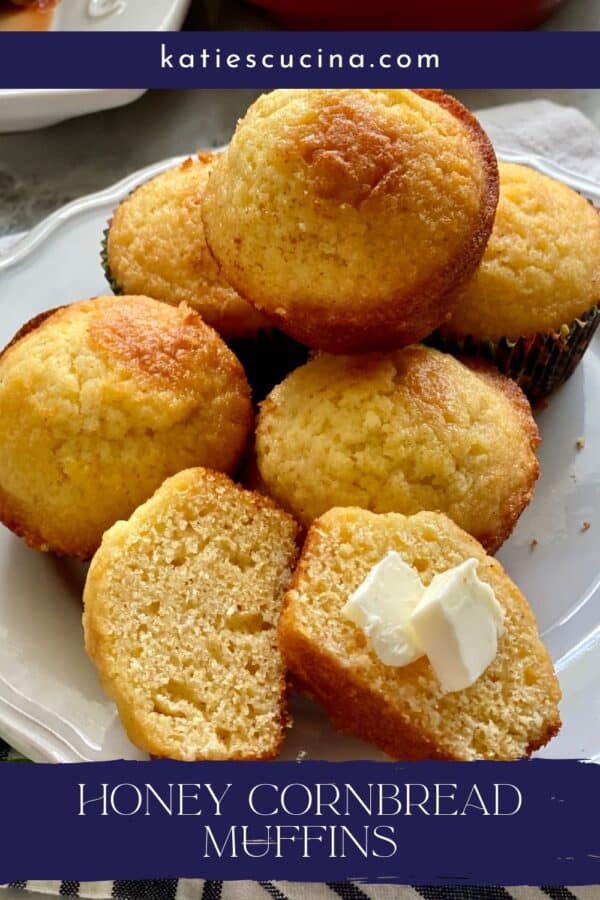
[24, 110]
[120, 15]
[51, 705]
[28, 110]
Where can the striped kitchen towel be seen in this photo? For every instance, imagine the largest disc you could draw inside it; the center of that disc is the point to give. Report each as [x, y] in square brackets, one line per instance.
[192, 889]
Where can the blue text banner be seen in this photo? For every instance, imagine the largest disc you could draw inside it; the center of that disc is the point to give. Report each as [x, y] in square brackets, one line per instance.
[92, 60]
[417, 823]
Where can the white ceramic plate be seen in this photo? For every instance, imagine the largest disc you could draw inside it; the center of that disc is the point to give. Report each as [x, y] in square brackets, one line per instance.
[120, 15]
[51, 705]
[22, 110]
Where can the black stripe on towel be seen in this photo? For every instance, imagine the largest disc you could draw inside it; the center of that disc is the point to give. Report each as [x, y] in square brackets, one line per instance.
[17, 884]
[347, 891]
[462, 892]
[150, 889]
[212, 890]
[559, 893]
[69, 889]
[272, 890]
[4, 751]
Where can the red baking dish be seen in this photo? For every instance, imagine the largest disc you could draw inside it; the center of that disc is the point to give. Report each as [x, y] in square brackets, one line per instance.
[452, 15]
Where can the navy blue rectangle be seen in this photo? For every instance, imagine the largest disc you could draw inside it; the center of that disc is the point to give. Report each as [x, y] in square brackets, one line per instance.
[259, 59]
[485, 823]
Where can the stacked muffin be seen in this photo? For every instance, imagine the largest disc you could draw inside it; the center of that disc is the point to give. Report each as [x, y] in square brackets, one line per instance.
[338, 230]
[532, 306]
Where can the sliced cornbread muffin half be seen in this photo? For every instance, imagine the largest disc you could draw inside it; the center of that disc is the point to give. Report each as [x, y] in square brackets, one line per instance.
[507, 713]
[181, 610]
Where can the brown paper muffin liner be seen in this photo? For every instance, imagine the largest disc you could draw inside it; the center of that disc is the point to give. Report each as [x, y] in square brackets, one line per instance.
[539, 363]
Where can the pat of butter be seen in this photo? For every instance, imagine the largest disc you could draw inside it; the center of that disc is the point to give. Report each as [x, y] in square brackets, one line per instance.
[382, 606]
[458, 622]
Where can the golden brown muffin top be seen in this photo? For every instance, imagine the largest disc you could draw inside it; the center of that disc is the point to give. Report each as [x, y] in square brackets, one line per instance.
[128, 353]
[400, 432]
[338, 212]
[156, 246]
[541, 267]
[100, 402]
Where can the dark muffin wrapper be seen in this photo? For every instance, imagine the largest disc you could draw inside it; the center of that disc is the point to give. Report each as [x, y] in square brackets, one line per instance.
[105, 263]
[538, 363]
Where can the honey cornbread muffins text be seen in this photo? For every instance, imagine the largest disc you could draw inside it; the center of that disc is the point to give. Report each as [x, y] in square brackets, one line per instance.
[155, 246]
[181, 610]
[101, 401]
[400, 432]
[350, 217]
[510, 711]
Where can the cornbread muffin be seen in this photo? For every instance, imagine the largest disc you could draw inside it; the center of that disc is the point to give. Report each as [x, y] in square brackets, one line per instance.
[155, 245]
[400, 432]
[181, 609]
[101, 401]
[510, 711]
[350, 217]
[531, 306]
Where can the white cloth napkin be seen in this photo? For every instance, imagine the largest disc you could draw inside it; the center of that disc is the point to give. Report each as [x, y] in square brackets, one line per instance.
[564, 143]
[561, 138]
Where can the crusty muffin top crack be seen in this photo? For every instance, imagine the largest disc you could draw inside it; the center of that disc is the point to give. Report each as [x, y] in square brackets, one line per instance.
[101, 401]
[349, 216]
[400, 432]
